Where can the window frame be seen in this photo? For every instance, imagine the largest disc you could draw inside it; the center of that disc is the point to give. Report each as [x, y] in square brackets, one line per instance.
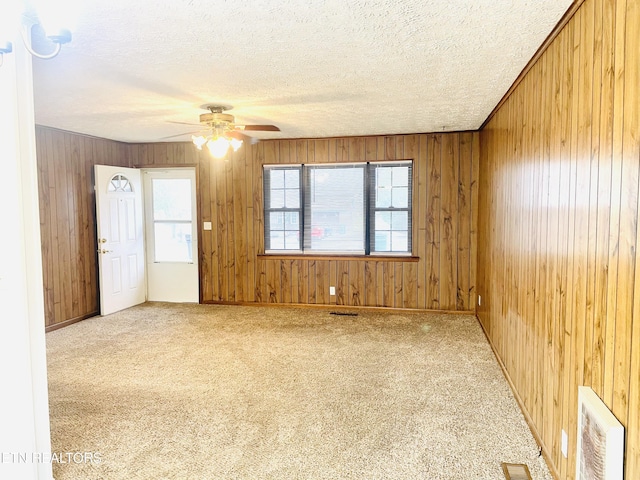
[369, 209]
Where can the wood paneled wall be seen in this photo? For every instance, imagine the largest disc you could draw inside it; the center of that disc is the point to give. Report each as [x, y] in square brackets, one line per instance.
[230, 196]
[444, 235]
[67, 220]
[558, 269]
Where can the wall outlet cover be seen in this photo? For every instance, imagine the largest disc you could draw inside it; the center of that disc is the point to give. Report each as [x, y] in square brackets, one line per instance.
[332, 290]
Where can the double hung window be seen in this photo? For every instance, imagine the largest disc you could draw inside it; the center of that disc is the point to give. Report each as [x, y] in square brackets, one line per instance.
[358, 209]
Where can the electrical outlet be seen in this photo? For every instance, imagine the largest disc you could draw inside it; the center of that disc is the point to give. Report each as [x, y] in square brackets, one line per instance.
[332, 290]
[479, 300]
[565, 444]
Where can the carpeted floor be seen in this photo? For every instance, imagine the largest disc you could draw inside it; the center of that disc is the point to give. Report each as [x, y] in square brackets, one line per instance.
[170, 391]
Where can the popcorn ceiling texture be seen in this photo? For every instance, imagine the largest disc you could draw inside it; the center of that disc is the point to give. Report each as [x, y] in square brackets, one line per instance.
[315, 69]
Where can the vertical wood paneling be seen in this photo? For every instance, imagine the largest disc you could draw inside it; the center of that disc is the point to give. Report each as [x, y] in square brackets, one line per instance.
[474, 227]
[230, 197]
[207, 288]
[370, 284]
[434, 223]
[463, 256]
[420, 227]
[67, 220]
[44, 191]
[326, 276]
[257, 245]
[448, 238]
[312, 282]
[399, 286]
[240, 211]
[233, 203]
[303, 296]
[230, 240]
[355, 277]
[388, 284]
[558, 229]
[379, 270]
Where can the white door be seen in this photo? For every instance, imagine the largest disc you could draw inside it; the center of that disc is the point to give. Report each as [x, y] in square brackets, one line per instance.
[171, 235]
[120, 238]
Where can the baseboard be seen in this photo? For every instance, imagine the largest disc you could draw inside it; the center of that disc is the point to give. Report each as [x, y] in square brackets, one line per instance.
[323, 306]
[71, 321]
[534, 431]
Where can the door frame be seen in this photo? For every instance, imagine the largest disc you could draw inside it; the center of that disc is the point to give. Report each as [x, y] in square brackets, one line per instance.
[198, 219]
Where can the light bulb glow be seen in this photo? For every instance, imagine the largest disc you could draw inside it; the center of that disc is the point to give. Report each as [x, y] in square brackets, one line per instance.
[218, 147]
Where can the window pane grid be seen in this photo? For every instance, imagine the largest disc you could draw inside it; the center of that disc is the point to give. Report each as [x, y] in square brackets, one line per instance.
[283, 212]
[390, 220]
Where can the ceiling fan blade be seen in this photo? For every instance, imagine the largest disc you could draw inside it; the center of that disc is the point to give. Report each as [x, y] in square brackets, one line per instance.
[259, 128]
[241, 136]
[184, 123]
[179, 135]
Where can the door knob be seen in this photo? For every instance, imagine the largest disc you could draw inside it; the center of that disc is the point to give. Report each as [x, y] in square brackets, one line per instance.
[104, 251]
[103, 240]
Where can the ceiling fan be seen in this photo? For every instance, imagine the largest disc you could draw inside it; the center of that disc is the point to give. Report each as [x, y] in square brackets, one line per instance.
[221, 132]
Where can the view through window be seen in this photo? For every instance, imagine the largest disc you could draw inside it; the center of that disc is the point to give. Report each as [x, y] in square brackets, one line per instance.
[172, 222]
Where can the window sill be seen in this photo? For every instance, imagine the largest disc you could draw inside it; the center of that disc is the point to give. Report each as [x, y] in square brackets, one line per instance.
[366, 258]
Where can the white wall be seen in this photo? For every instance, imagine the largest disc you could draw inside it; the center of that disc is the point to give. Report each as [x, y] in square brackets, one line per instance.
[24, 409]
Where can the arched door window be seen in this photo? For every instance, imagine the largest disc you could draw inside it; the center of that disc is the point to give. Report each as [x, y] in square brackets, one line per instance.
[119, 183]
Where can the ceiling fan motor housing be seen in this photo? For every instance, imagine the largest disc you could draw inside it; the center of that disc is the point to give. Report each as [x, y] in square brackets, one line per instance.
[216, 118]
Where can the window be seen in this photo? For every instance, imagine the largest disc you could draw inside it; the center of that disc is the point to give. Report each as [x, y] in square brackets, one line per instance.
[172, 219]
[283, 211]
[119, 183]
[361, 208]
[390, 208]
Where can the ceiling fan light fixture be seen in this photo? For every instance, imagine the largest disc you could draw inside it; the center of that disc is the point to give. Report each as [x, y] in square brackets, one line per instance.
[217, 144]
[221, 131]
[218, 147]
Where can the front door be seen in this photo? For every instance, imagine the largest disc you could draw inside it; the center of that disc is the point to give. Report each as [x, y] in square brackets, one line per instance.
[121, 266]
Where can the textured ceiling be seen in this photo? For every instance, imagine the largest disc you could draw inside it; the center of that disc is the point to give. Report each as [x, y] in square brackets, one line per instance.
[321, 69]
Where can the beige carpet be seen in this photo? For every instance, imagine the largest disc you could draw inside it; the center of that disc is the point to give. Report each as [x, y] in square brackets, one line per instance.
[166, 391]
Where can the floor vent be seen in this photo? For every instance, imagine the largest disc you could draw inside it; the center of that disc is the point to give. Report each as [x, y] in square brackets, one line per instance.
[344, 314]
[516, 471]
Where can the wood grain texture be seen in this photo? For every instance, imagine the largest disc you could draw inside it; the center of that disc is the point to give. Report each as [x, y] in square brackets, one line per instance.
[67, 220]
[236, 271]
[230, 197]
[558, 228]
